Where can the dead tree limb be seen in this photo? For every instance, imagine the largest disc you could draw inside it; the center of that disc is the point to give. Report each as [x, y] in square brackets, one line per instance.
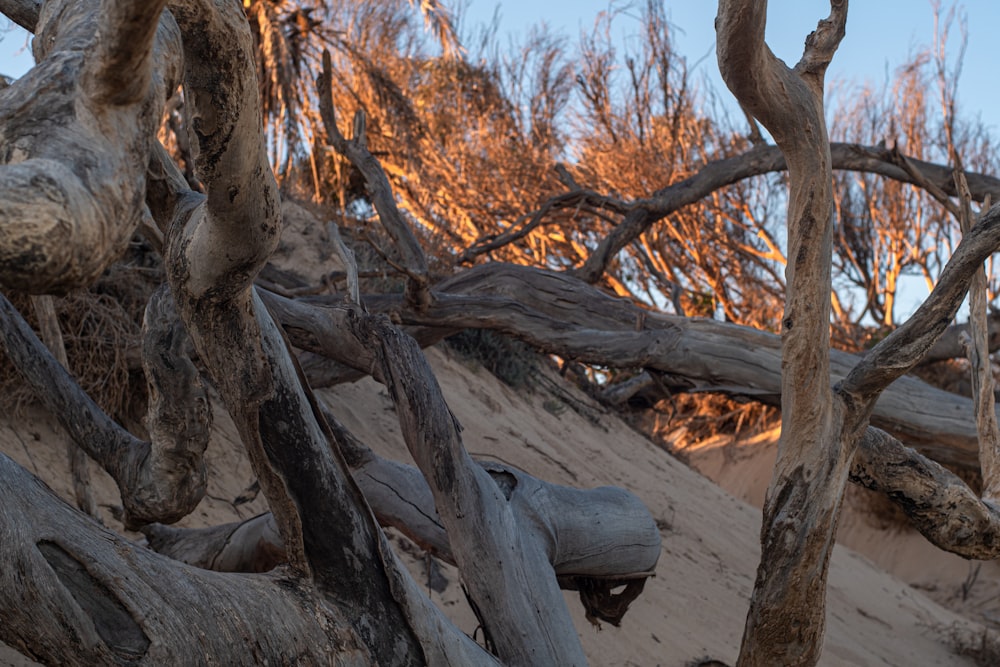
[939, 504]
[980, 364]
[72, 196]
[78, 594]
[759, 160]
[562, 315]
[22, 12]
[609, 534]
[162, 480]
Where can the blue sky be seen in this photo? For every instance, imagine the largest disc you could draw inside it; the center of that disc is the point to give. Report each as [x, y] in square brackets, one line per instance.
[881, 34]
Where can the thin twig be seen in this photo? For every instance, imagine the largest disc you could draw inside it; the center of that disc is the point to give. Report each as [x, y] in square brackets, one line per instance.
[378, 187]
[350, 262]
[48, 322]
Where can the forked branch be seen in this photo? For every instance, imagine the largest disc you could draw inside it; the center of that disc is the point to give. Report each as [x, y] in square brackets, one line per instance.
[356, 150]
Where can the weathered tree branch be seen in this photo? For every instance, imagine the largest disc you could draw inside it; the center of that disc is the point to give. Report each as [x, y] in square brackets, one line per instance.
[939, 504]
[949, 345]
[119, 70]
[213, 254]
[22, 12]
[756, 161]
[562, 315]
[608, 534]
[91, 594]
[225, 120]
[71, 196]
[48, 325]
[162, 480]
[786, 621]
[490, 544]
[980, 364]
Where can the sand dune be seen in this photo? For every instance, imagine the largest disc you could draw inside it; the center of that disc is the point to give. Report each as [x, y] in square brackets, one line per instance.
[695, 606]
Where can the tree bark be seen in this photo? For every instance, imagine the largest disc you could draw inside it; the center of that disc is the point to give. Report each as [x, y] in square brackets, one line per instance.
[78, 594]
[562, 315]
[786, 621]
[71, 197]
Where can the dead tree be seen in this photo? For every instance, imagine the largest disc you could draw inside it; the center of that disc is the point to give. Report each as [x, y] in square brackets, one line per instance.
[72, 195]
[79, 594]
[823, 425]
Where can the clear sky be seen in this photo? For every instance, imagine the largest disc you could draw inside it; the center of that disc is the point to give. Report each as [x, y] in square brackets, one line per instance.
[881, 34]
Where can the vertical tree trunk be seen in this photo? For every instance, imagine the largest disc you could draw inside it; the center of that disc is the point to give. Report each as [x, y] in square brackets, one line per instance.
[785, 624]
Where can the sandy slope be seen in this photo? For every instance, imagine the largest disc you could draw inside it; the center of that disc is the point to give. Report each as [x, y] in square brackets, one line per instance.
[743, 467]
[694, 608]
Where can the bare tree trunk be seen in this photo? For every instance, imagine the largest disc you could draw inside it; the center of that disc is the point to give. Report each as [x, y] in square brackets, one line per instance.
[785, 624]
[821, 428]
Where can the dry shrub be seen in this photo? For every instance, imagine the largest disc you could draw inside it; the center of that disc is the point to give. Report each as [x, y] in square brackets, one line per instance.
[696, 417]
[513, 362]
[980, 644]
[101, 330]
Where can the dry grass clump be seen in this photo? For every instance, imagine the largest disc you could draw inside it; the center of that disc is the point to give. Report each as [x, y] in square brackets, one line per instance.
[98, 335]
[513, 362]
[101, 330]
[980, 644]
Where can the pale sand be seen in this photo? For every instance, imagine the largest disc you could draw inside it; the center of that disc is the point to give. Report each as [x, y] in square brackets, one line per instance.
[696, 605]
